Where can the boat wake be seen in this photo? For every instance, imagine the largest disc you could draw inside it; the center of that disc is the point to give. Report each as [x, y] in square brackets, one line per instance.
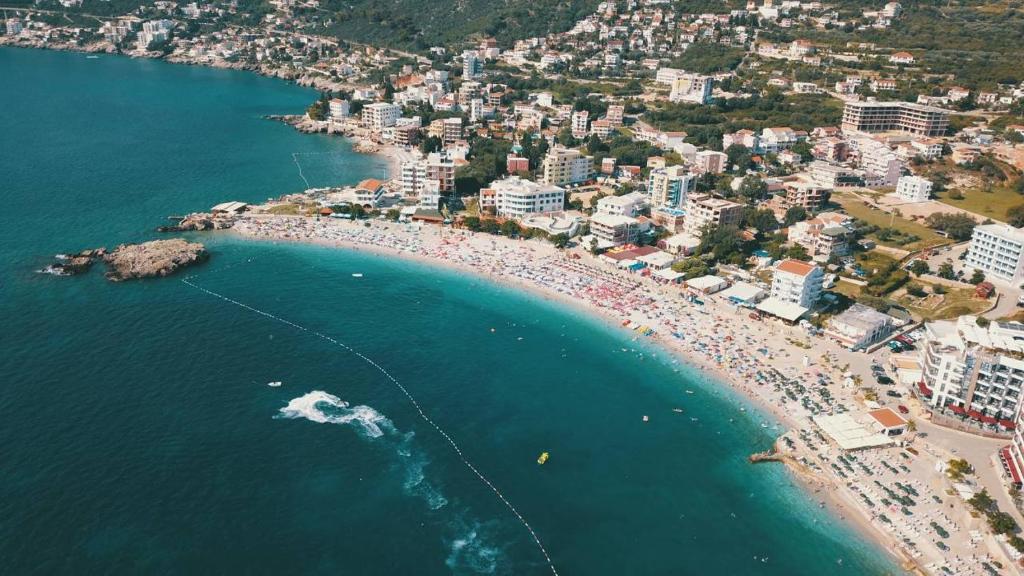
[412, 400]
[323, 408]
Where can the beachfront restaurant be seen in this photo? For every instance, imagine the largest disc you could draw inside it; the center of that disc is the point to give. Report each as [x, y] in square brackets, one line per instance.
[744, 294]
[707, 284]
[888, 422]
[849, 434]
[789, 312]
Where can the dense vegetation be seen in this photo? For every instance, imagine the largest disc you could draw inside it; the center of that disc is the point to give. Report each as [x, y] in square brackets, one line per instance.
[705, 125]
[419, 24]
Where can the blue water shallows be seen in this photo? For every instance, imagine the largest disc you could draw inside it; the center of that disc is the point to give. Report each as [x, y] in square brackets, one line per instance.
[140, 434]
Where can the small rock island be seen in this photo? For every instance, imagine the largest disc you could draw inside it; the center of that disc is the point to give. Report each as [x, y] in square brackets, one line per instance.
[152, 259]
[132, 261]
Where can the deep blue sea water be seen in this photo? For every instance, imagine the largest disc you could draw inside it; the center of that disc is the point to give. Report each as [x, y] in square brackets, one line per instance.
[139, 434]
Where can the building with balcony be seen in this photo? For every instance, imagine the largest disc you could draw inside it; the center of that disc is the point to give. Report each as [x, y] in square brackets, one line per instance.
[998, 251]
[564, 166]
[973, 369]
[797, 282]
[514, 197]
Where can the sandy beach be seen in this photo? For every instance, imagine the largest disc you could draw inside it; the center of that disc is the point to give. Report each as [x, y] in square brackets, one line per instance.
[767, 362]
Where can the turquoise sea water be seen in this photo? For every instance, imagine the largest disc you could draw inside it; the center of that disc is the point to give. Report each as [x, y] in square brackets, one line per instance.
[139, 434]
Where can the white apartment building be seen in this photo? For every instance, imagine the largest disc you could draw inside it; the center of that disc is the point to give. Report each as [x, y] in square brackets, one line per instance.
[580, 118]
[13, 26]
[704, 210]
[797, 282]
[472, 65]
[974, 368]
[691, 88]
[626, 205]
[711, 161]
[514, 197]
[913, 189]
[564, 166]
[670, 186]
[430, 175]
[858, 327]
[339, 108]
[380, 115]
[881, 165]
[779, 138]
[998, 251]
[615, 229]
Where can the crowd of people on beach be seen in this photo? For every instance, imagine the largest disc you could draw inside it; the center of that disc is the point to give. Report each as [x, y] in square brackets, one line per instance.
[762, 359]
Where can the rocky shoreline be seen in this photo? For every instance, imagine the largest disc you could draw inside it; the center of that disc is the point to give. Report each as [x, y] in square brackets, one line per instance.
[200, 222]
[154, 259]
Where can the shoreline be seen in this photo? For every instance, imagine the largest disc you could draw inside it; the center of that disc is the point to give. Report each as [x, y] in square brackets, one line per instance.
[840, 506]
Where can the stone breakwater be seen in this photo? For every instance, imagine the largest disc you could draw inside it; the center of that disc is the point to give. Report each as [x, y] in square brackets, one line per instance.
[153, 259]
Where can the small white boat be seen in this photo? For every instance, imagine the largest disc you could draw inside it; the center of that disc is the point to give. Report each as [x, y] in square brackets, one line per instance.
[677, 410]
[357, 275]
[274, 384]
[646, 418]
[91, 57]
[689, 391]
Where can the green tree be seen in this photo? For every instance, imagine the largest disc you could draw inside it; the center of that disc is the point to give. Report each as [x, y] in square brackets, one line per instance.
[471, 223]
[795, 214]
[1015, 215]
[977, 277]
[394, 214]
[957, 226]
[919, 267]
[431, 144]
[560, 240]
[946, 271]
[490, 226]
[510, 228]
[753, 188]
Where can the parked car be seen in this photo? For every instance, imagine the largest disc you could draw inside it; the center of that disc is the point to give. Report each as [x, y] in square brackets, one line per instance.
[883, 380]
[893, 394]
[903, 409]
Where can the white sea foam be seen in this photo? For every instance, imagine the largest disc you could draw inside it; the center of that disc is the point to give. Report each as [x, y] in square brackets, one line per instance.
[470, 553]
[300, 410]
[323, 408]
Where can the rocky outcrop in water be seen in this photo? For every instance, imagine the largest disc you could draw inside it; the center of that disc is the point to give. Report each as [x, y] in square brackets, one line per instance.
[72, 264]
[152, 259]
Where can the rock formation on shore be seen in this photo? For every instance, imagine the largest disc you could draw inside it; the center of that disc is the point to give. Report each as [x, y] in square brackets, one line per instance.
[200, 222]
[152, 259]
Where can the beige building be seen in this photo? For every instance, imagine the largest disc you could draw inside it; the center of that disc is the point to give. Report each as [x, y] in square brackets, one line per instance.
[704, 210]
[564, 166]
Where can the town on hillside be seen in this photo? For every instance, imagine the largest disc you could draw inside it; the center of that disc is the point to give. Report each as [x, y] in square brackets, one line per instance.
[807, 166]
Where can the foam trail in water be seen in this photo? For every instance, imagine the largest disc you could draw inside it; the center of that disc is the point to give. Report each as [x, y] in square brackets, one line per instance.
[469, 551]
[412, 400]
[323, 408]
